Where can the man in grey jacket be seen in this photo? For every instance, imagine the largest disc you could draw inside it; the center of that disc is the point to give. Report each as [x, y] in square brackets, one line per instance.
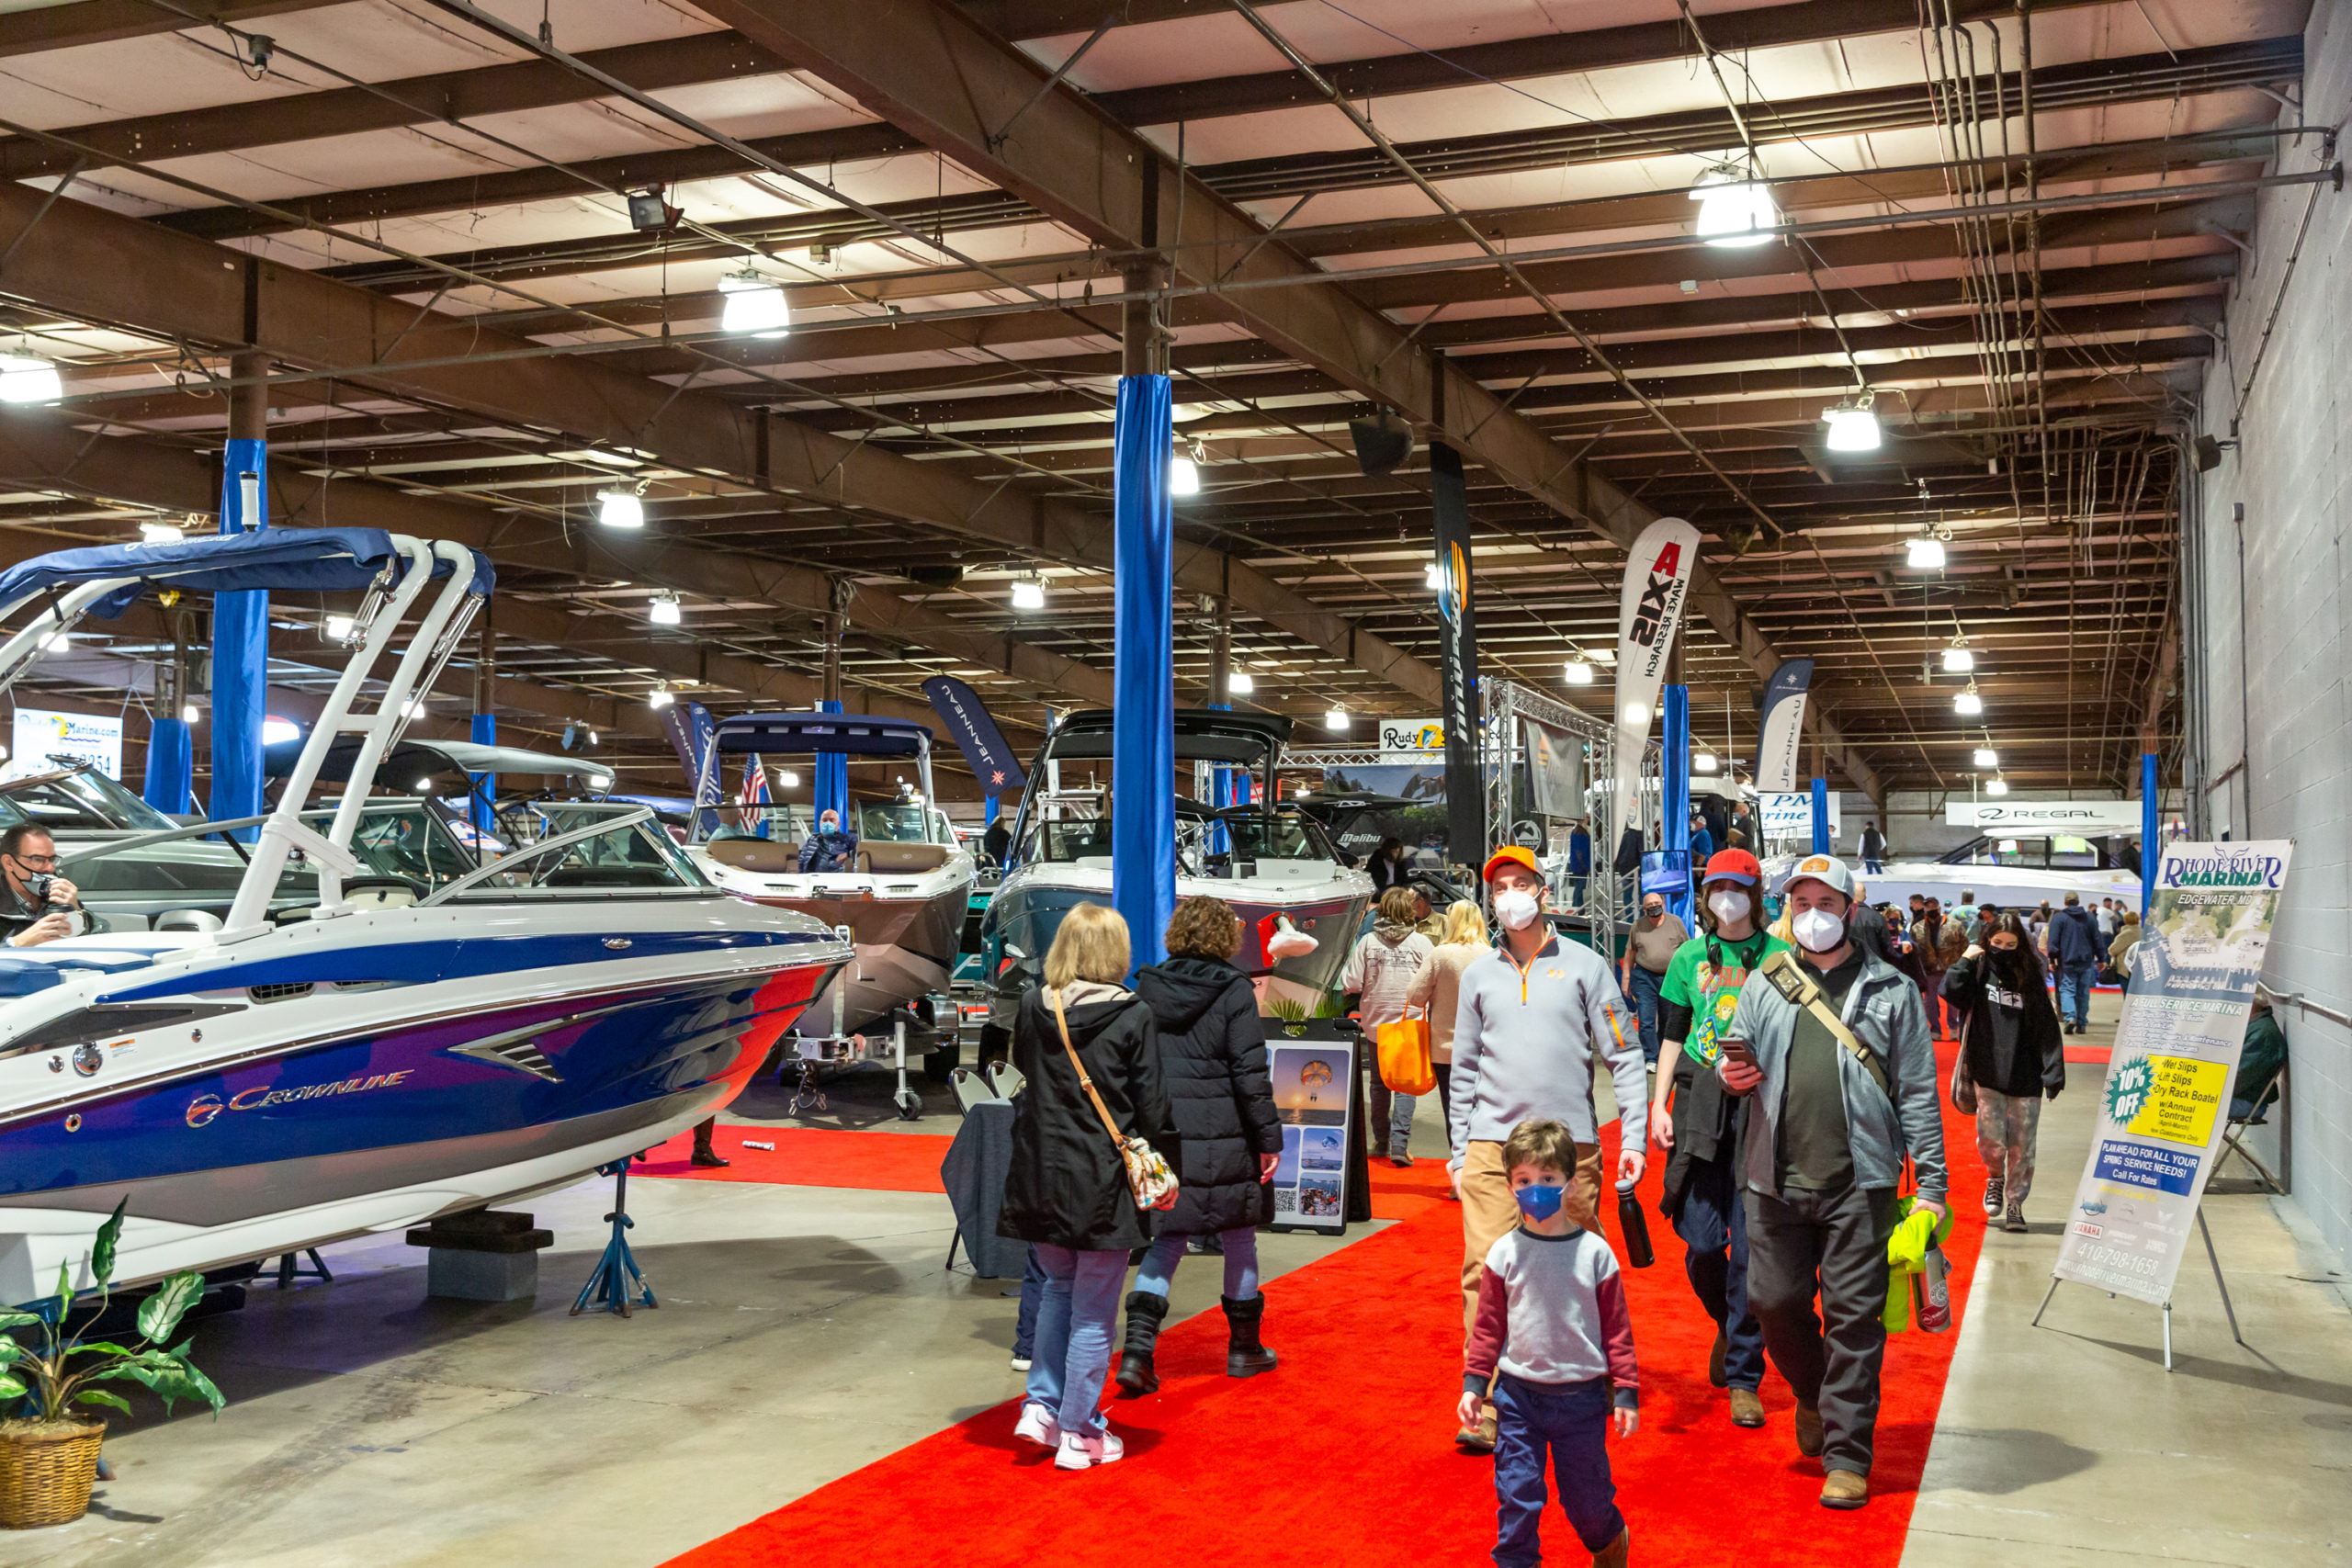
[1842, 1084]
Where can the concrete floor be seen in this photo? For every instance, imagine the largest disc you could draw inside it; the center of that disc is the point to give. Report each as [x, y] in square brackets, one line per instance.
[805, 1332]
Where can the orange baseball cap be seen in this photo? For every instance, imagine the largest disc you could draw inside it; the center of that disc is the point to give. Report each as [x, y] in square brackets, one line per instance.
[1510, 854]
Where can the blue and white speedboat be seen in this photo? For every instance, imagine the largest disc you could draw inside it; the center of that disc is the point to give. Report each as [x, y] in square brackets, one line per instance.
[352, 1047]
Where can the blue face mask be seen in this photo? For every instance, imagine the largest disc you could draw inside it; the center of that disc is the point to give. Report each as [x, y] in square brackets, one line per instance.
[1539, 1202]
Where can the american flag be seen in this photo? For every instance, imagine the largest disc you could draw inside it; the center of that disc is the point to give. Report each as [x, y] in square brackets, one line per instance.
[754, 791]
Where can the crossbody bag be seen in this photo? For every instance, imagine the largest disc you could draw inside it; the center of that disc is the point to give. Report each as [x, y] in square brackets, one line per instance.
[1149, 1180]
[1789, 979]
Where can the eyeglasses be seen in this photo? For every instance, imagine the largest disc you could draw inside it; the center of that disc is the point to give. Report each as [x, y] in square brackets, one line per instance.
[39, 863]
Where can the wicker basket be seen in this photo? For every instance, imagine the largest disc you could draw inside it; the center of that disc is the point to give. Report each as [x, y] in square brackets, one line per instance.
[47, 1469]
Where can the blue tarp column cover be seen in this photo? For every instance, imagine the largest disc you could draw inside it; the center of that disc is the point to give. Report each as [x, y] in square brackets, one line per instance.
[1821, 817]
[170, 762]
[2151, 829]
[1143, 735]
[833, 779]
[485, 786]
[1674, 776]
[240, 648]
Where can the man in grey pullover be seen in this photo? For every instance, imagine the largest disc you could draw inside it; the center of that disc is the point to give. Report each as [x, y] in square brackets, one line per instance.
[1533, 1011]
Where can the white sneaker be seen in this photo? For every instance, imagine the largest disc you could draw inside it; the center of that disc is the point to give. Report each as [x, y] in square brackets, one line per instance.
[1020, 1363]
[1079, 1450]
[1039, 1426]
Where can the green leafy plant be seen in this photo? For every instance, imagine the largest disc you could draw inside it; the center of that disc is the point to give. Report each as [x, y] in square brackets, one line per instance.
[59, 1369]
[1292, 1011]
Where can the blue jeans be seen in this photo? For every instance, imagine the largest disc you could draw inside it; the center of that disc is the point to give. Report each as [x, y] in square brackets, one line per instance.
[1570, 1420]
[1642, 988]
[1032, 1291]
[1873, 866]
[2074, 982]
[1712, 1223]
[1389, 1110]
[1075, 1316]
[1240, 1264]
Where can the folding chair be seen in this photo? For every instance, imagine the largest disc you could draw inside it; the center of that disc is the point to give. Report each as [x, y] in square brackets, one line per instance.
[2246, 1108]
[971, 1090]
[1005, 1079]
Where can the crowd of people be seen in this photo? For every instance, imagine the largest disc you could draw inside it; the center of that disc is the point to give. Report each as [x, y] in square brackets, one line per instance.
[1781, 1060]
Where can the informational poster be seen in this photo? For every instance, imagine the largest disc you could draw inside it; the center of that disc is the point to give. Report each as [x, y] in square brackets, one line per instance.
[44, 740]
[1554, 770]
[2168, 1083]
[1791, 817]
[1313, 1083]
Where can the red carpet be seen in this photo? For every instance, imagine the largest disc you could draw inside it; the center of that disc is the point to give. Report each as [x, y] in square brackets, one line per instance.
[811, 1156]
[1344, 1454]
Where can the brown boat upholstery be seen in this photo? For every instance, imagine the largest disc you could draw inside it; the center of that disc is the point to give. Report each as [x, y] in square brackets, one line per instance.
[880, 856]
[760, 856]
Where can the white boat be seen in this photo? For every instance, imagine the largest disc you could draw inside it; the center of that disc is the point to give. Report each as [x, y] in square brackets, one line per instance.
[1300, 906]
[350, 1047]
[2014, 871]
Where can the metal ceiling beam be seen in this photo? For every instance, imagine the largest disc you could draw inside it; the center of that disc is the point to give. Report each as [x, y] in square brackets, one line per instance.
[934, 73]
[104, 21]
[98, 266]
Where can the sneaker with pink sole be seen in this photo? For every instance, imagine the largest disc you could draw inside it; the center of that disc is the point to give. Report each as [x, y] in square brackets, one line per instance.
[1083, 1451]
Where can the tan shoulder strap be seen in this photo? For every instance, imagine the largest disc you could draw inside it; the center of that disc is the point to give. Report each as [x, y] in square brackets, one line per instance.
[1061, 1022]
[1789, 979]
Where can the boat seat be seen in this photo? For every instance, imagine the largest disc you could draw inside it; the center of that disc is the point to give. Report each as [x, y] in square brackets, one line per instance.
[891, 859]
[763, 855]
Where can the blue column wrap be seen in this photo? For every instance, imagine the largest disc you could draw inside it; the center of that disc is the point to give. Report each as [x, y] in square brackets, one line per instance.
[1821, 817]
[1143, 738]
[1674, 778]
[240, 650]
[170, 762]
[484, 785]
[832, 780]
[2149, 829]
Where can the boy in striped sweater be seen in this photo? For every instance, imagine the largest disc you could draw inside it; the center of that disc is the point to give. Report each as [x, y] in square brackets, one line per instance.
[1553, 1340]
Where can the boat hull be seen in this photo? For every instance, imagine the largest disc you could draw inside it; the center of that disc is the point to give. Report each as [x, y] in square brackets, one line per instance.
[906, 951]
[301, 1095]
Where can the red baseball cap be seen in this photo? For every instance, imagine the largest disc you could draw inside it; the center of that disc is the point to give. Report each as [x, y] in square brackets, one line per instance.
[1733, 865]
[1510, 854]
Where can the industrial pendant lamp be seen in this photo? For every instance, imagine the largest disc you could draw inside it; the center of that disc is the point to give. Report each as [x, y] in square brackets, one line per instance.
[1337, 721]
[1852, 426]
[1028, 593]
[28, 379]
[1958, 658]
[1924, 551]
[618, 508]
[1703, 761]
[1238, 683]
[1734, 209]
[660, 697]
[755, 304]
[1968, 703]
[665, 610]
[1576, 672]
[1432, 579]
[1987, 758]
[1998, 787]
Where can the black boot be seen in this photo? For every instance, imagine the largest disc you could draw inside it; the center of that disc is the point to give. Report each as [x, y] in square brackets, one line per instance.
[1136, 1375]
[704, 1155]
[1244, 1356]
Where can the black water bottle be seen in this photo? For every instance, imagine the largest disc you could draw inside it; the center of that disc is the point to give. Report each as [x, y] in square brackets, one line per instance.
[1635, 1225]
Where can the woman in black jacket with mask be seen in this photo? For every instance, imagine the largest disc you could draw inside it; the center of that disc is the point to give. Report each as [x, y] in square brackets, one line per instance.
[1066, 1191]
[1213, 1055]
[2015, 1056]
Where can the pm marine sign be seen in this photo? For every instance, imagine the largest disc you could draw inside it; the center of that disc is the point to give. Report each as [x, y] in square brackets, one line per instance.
[2166, 1098]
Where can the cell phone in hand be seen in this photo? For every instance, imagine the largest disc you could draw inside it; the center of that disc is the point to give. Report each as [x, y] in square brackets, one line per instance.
[1740, 1051]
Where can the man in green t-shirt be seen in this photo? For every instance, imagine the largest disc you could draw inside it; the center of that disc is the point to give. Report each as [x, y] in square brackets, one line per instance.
[1691, 1116]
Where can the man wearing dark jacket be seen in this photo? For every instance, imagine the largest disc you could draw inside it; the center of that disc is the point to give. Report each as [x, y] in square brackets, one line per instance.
[1213, 1061]
[2075, 953]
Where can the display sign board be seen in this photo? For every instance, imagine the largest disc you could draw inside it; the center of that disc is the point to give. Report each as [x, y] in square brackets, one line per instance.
[42, 736]
[1554, 770]
[2176, 1060]
[1791, 816]
[1314, 1094]
[1412, 736]
[2084, 819]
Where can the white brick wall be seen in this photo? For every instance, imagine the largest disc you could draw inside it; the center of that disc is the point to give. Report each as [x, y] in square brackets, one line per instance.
[2288, 651]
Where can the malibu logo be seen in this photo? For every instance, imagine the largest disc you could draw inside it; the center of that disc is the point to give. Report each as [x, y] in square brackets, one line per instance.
[2222, 871]
[205, 1107]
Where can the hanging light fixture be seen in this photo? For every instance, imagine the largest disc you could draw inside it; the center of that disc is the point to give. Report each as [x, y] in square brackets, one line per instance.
[28, 379]
[1705, 761]
[1432, 579]
[659, 698]
[592, 737]
[1852, 426]
[788, 779]
[1968, 705]
[190, 713]
[1958, 658]
[340, 628]
[1029, 593]
[1337, 721]
[1926, 552]
[618, 508]
[1987, 758]
[1734, 209]
[755, 304]
[1183, 477]
[161, 534]
[665, 610]
[1576, 672]
[1238, 683]
[1998, 786]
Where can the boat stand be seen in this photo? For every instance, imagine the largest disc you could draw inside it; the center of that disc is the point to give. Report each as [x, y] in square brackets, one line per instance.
[2212, 1256]
[618, 1284]
[808, 1052]
[290, 1268]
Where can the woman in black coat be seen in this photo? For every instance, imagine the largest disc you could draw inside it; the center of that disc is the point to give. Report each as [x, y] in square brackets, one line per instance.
[1066, 1192]
[1213, 1055]
[2015, 1056]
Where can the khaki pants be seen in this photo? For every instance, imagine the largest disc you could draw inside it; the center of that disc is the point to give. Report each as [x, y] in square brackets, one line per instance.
[1489, 1212]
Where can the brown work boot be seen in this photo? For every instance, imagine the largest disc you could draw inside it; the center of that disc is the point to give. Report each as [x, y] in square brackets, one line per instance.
[1614, 1554]
[1845, 1489]
[1478, 1439]
[1746, 1410]
[704, 1155]
[1809, 1430]
[1716, 1374]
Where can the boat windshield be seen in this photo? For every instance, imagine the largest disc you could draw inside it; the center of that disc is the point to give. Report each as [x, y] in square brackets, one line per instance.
[897, 821]
[401, 839]
[78, 800]
[2056, 851]
[597, 850]
[1204, 846]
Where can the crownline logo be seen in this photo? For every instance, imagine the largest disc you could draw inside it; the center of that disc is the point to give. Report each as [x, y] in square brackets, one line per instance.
[204, 1108]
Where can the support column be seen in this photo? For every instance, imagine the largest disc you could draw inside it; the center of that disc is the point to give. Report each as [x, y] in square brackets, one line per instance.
[1143, 753]
[1674, 784]
[2151, 830]
[171, 758]
[241, 620]
[1821, 817]
[831, 769]
[485, 725]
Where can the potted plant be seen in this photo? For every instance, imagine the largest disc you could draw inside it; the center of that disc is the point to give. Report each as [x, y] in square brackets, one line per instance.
[49, 1458]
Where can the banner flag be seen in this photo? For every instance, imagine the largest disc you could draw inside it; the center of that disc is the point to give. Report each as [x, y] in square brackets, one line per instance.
[689, 728]
[2166, 1103]
[974, 729]
[1650, 612]
[1781, 727]
[1465, 784]
[1554, 770]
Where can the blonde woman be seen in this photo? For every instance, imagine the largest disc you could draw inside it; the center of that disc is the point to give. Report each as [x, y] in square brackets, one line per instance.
[1379, 972]
[1438, 987]
[1067, 1193]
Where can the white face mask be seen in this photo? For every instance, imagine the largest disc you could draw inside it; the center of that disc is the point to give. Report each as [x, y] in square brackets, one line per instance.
[1728, 906]
[1515, 907]
[1818, 930]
